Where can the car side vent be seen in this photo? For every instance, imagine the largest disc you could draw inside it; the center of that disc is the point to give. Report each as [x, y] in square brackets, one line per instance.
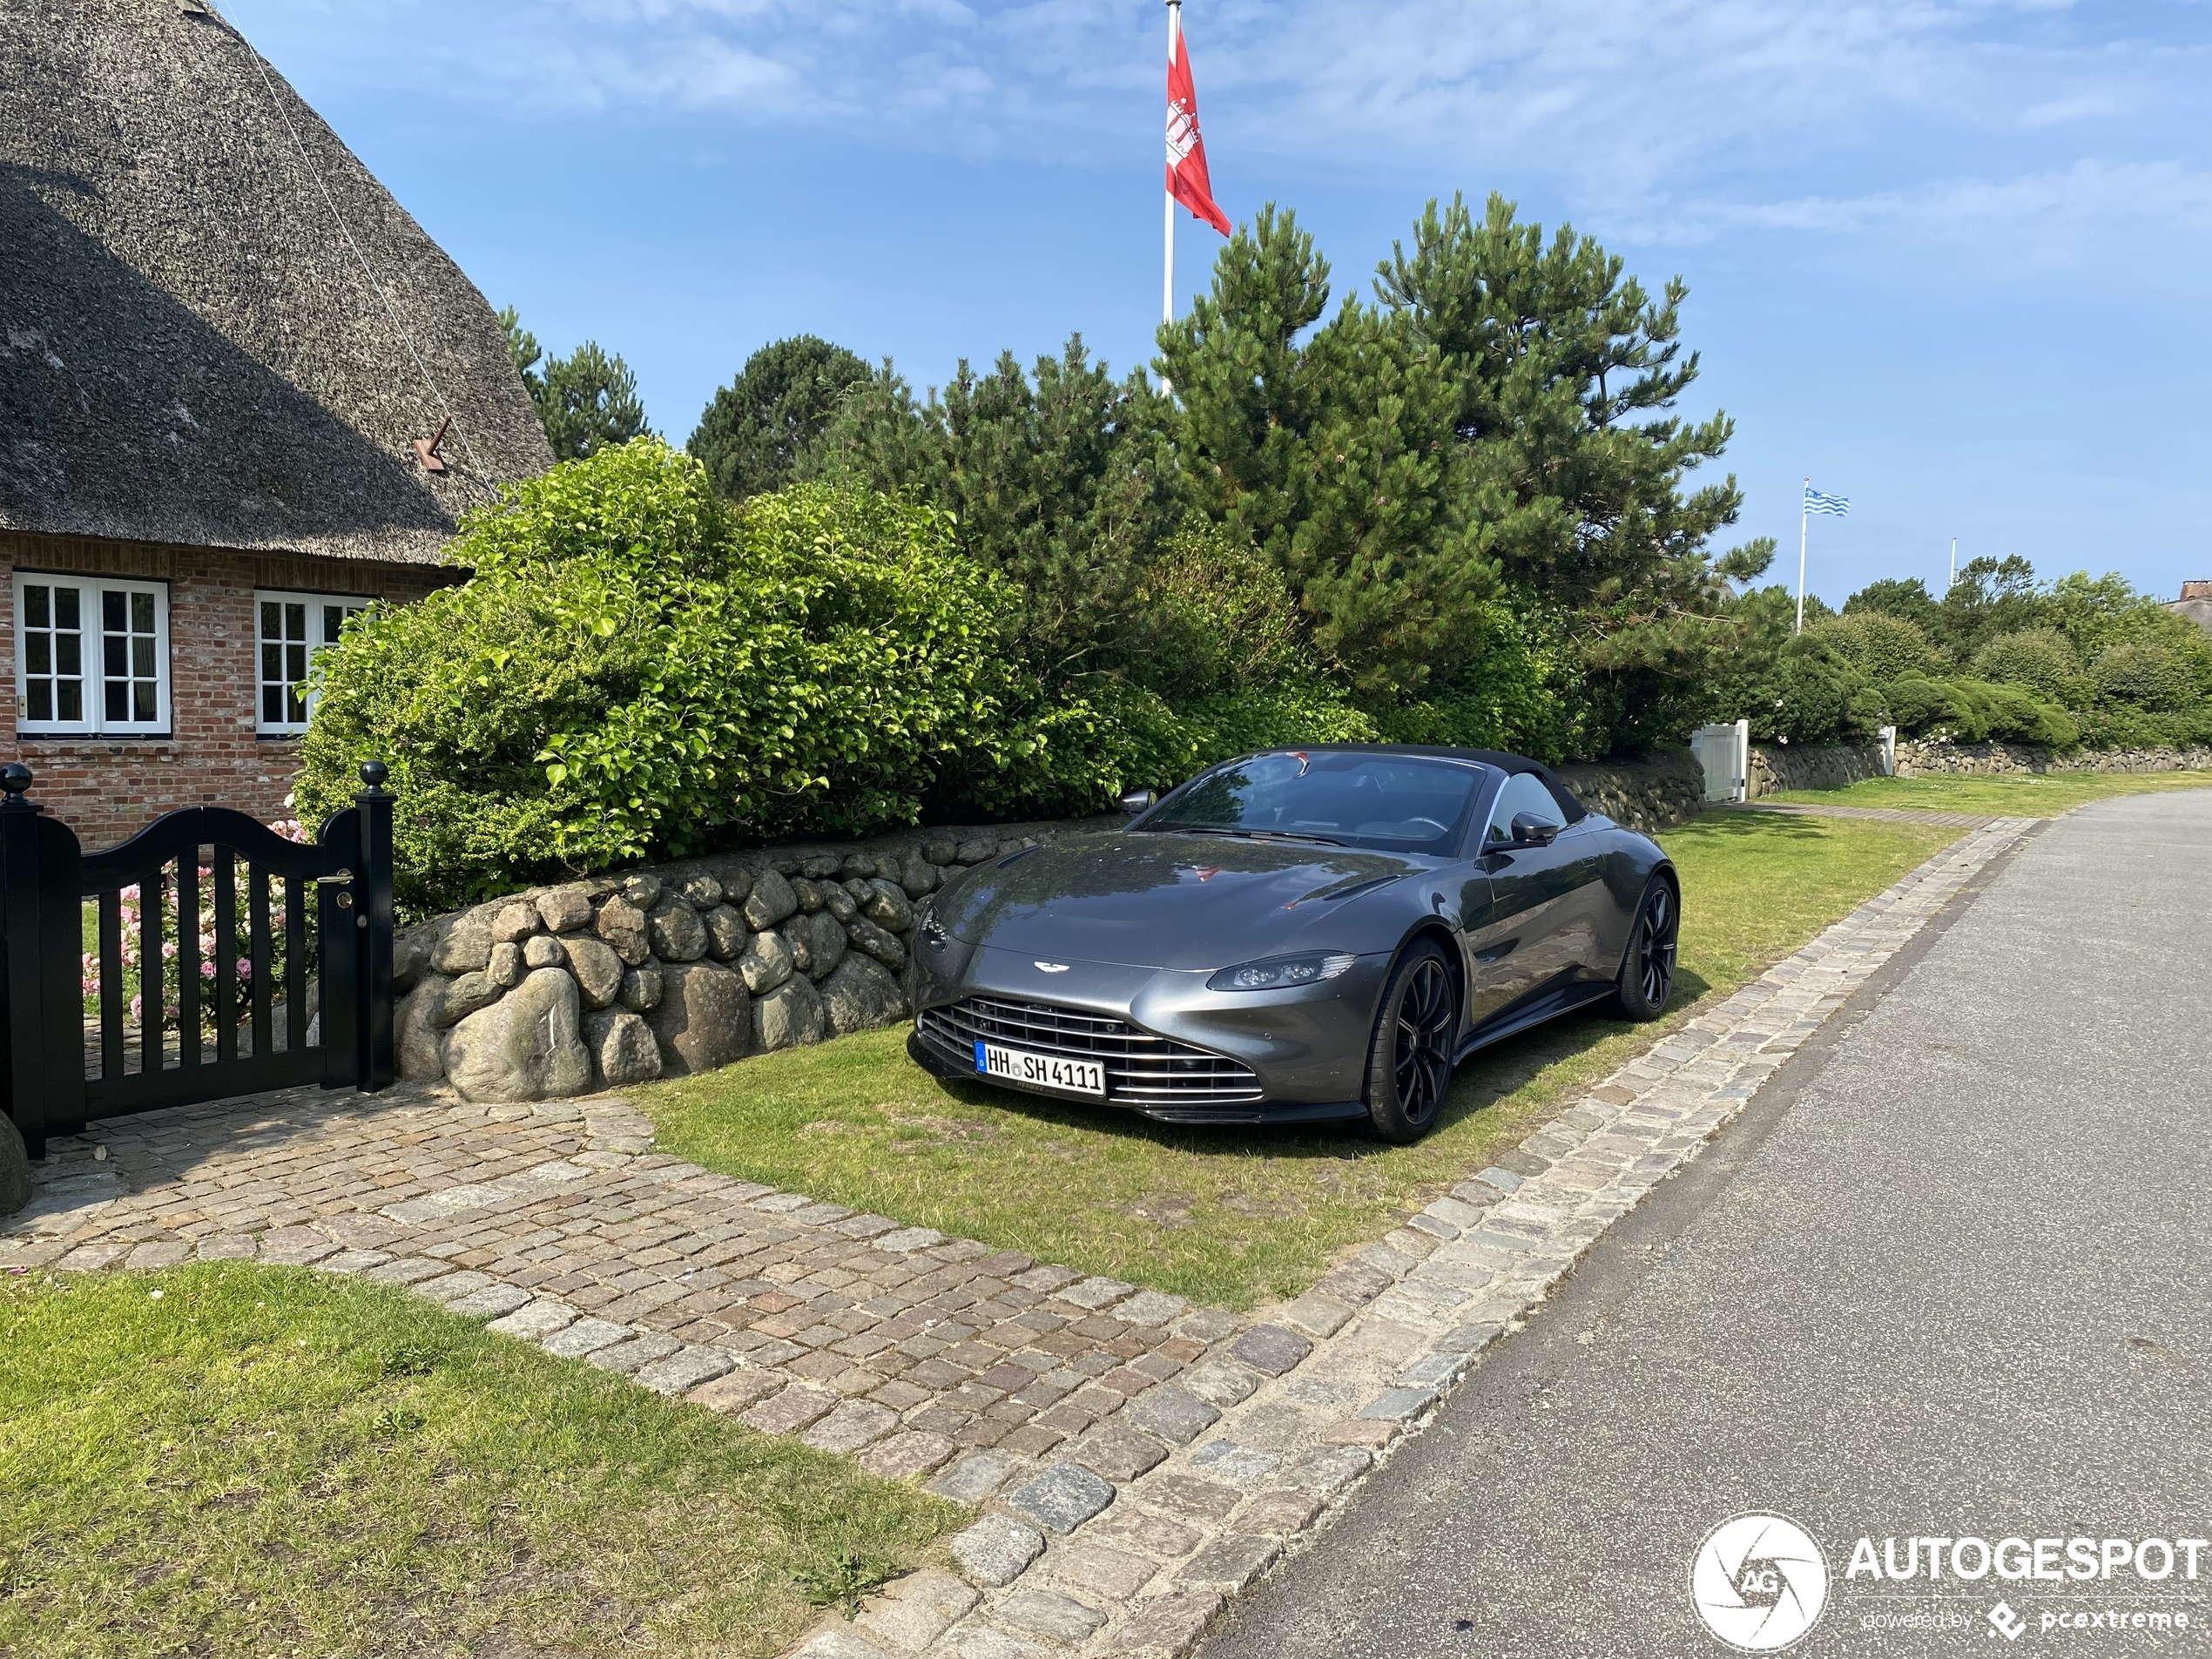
[1339, 894]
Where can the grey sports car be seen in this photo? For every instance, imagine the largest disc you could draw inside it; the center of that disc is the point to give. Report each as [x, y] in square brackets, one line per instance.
[1297, 936]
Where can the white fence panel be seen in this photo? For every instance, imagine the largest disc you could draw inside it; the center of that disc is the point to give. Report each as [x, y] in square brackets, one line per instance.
[1725, 753]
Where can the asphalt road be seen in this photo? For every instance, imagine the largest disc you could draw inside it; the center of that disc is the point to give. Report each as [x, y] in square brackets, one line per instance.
[1947, 1277]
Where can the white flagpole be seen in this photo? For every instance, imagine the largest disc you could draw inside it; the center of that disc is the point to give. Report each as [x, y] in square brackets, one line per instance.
[1167, 284]
[1954, 565]
[1805, 518]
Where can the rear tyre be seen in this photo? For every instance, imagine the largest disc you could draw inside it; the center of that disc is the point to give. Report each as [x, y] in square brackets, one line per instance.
[1648, 971]
[1409, 1062]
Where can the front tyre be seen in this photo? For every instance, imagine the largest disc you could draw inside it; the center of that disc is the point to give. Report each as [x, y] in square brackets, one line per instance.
[1409, 1062]
[1648, 971]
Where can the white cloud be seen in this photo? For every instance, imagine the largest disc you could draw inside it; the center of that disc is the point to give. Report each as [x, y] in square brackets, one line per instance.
[2059, 216]
[2075, 106]
[1636, 110]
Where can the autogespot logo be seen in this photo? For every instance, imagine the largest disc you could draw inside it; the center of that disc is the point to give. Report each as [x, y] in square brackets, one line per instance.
[1759, 1582]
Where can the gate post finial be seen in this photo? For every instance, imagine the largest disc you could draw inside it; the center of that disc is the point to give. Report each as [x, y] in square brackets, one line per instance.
[15, 780]
[374, 772]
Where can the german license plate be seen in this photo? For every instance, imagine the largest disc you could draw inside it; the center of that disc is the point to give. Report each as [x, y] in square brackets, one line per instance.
[1040, 1071]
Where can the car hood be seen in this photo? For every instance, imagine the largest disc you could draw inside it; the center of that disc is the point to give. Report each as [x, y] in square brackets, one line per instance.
[1150, 899]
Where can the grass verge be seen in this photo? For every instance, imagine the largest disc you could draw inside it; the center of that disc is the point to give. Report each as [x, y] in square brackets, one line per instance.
[226, 1459]
[2026, 795]
[1239, 1217]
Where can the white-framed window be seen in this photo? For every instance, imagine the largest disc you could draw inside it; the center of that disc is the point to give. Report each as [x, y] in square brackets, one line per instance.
[289, 629]
[91, 655]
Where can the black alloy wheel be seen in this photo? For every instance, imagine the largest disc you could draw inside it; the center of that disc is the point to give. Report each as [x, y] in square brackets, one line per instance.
[1648, 972]
[1409, 1069]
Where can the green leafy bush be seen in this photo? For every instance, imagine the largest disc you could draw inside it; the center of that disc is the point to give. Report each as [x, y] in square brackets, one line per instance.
[2144, 674]
[636, 670]
[1077, 754]
[1219, 615]
[1273, 715]
[2017, 715]
[1916, 703]
[1816, 694]
[1976, 710]
[2120, 726]
[2038, 659]
[1879, 644]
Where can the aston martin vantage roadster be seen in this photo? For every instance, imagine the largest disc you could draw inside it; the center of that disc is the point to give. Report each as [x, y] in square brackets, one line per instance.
[1297, 936]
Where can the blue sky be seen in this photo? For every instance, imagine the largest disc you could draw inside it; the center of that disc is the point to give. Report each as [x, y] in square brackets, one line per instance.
[1948, 258]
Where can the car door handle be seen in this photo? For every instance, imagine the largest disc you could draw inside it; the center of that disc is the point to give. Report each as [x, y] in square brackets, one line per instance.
[1496, 952]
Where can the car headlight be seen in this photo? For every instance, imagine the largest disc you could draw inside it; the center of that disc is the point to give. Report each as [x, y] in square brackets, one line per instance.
[1281, 973]
[933, 932]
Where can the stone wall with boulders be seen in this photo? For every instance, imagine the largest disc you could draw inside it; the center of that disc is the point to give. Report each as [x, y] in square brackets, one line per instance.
[1922, 758]
[1644, 795]
[681, 967]
[1777, 766]
[678, 969]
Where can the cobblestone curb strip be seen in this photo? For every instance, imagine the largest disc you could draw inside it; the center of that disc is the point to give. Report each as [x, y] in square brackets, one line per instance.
[1137, 1460]
[1128, 1549]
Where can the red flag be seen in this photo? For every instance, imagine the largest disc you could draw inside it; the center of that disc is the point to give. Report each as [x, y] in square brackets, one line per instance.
[1187, 179]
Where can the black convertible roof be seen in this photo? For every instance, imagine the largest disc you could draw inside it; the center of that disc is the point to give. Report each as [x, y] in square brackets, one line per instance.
[1497, 759]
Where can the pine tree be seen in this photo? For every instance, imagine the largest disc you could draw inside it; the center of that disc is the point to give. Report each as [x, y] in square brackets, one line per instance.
[1329, 452]
[589, 402]
[1493, 429]
[1054, 476]
[586, 401]
[761, 429]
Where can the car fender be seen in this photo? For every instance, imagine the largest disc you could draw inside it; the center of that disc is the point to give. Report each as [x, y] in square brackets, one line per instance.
[1629, 871]
[1433, 905]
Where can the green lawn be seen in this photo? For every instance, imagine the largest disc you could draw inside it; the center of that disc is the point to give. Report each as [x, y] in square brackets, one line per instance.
[2046, 795]
[1227, 1216]
[238, 1461]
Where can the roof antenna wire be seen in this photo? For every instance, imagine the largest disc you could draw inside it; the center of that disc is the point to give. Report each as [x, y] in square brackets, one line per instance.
[345, 230]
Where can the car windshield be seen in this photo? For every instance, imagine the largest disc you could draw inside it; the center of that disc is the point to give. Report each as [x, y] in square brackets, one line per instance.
[1401, 803]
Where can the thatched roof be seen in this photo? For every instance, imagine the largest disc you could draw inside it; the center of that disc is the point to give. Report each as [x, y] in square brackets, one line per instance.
[189, 349]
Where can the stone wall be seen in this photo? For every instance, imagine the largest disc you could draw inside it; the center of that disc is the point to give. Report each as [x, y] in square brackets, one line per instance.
[1648, 795]
[1921, 757]
[678, 969]
[1777, 766]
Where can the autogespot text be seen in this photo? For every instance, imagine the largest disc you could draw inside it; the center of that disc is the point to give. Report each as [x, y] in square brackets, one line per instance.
[2081, 1560]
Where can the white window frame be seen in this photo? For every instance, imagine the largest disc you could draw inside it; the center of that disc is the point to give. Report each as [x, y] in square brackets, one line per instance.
[93, 661]
[287, 727]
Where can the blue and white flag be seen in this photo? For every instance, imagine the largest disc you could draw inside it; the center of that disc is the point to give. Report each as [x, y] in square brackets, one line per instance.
[1817, 502]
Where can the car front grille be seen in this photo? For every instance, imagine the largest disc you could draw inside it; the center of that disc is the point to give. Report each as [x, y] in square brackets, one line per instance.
[1141, 1069]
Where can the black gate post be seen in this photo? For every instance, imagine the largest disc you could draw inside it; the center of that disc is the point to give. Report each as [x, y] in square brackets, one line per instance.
[19, 937]
[373, 920]
[42, 1034]
[338, 944]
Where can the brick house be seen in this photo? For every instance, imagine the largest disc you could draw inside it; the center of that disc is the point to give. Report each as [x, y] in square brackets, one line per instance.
[226, 357]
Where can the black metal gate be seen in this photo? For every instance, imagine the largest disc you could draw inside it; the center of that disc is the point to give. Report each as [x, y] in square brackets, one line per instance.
[181, 966]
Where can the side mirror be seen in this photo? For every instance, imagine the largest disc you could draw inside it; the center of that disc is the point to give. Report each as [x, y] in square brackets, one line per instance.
[1140, 800]
[1530, 830]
